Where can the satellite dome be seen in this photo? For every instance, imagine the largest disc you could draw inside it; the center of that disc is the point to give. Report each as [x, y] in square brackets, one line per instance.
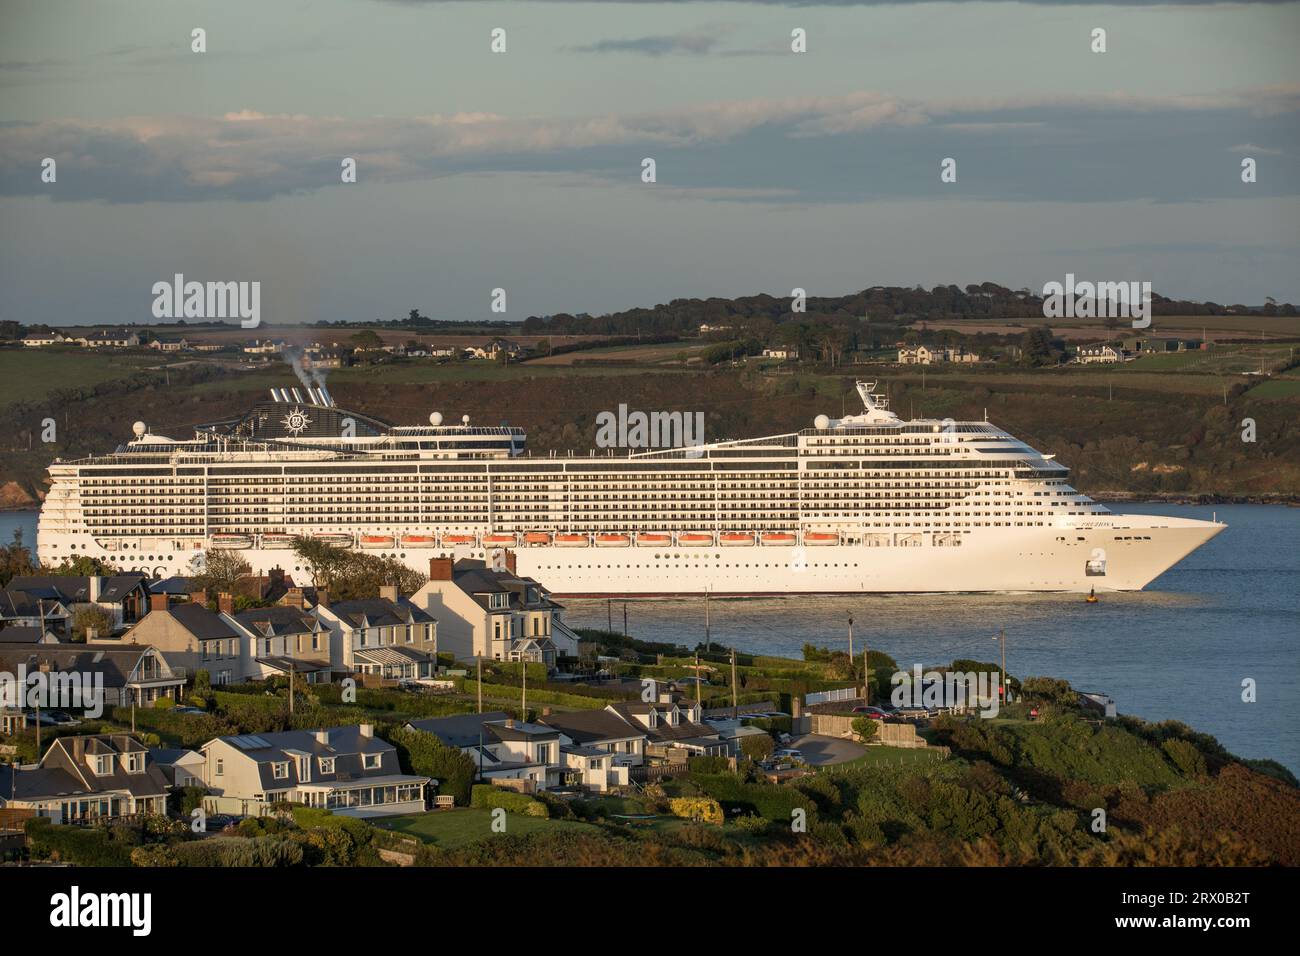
[821, 421]
[139, 429]
[464, 419]
[435, 418]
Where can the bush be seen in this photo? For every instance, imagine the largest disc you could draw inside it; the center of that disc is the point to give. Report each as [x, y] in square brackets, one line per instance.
[757, 747]
[223, 851]
[775, 803]
[84, 846]
[865, 728]
[485, 795]
[164, 703]
[708, 765]
[1183, 755]
[700, 809]
[427, 756]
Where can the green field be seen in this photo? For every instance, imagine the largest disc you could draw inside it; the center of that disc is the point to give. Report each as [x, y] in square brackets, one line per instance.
[452, 828]
[28, 375]
[889, 757]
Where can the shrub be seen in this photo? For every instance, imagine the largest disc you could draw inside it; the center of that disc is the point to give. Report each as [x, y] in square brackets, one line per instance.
[757, 747]
[775, 803]
[708, 765]
[1183, 755]
[164, 703]
[700, 809]
[487, 796]
[865, 728]
[426, 755]
[84, 846]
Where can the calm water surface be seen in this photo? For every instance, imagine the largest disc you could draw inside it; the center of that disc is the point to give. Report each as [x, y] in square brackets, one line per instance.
[1178, 650]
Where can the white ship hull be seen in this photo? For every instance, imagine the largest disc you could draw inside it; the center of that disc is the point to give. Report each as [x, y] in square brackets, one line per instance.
[1123, 553]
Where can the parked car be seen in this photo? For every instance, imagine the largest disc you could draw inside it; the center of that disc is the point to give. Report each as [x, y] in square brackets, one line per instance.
[787, 753]
[874, 712]
[62, 719]
[911, 713]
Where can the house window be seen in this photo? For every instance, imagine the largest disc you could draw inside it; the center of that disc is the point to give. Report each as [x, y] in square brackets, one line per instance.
[280, 770]
[221, 766]
[134, 763]
[103, 766]
[410, 634]
[326, 764]
[371, 761]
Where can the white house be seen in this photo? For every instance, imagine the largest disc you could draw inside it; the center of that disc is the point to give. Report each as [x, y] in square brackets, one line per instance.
[390, 637]
[41, 339]
[1099, 354]
[344, 769]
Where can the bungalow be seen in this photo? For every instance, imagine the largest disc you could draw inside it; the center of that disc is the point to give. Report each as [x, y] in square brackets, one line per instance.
[123, 597]
[111, 339]
[344, 769]
[42, 339]
[785, 353]
[389, 636]
[82, 779]
[169, 345]
[493, 613]
[129, 673]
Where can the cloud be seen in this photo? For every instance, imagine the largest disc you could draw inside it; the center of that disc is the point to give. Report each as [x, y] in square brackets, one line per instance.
[696, 43]
[1251, 149]
[250, 155]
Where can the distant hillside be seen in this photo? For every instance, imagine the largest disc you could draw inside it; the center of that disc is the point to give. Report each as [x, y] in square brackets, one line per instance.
[878, 304]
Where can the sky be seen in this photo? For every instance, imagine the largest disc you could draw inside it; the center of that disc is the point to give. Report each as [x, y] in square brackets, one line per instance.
[522, 170]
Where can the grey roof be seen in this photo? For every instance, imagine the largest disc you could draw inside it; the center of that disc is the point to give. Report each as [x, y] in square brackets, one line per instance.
[114, 661]
[275, 621]
[199, 621]
[21, 635]
[459, 730]
[176, 584]
[344, 744]
[69, 756]
[476, 579]
[379, 612]
[76, 589]
[588, 726]
[296, 664]
[16, 603]
[520, 730]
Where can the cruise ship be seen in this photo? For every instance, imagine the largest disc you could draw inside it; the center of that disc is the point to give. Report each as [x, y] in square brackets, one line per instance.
[864, 503]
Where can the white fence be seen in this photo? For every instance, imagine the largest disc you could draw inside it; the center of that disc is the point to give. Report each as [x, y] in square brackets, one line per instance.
[829, 696]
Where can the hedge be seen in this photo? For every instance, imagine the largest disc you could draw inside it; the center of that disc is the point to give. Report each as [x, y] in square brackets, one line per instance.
[486, 796]
[84, 846]
[703, 809]
[772, 802]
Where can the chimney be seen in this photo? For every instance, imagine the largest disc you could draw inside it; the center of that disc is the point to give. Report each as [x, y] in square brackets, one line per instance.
[276, 575]
[440, 569]
[199, 597]
[510, 562]
[226, 603]
[157, 602]
[323, 737]
[322, 597]
[294, 598]
[388, 592]
[93, 582]
[367, 730]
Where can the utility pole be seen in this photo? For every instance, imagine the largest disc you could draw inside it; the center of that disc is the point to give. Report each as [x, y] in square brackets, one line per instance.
[609, 615]
[850, 640]
[625, 619]
[735, 704]
[523, 685]
[291, 689]
[708, 640]
[1002, 690]
[866, 674]
[479, 659]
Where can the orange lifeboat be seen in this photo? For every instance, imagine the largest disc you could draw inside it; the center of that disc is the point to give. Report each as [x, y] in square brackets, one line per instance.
[376, 541]
[572, 541]
[820, 538]
[778, 537]
[498, 539]
[451, 540]
[419, 540]
[695, 539]
[653, 539]
[735, 539]
[612, 540]
[537, 537]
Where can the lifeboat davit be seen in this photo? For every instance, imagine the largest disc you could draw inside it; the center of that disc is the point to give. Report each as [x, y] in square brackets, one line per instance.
[537, 537]
[277, 539]
[451, 540]
[732, 539]
[612, 541]
[777, 537]
[227, 542]
[820, 538]
[653, 539]
[498, 539]
[419, 540]
[572, 541]
[377, 541]
[695, 539]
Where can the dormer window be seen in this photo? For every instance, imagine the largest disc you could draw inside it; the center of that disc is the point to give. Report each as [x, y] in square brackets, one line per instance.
[498, 601]
[326, 764]
[134, 763]
[371, 761]
[102, 765]
[280, 770]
